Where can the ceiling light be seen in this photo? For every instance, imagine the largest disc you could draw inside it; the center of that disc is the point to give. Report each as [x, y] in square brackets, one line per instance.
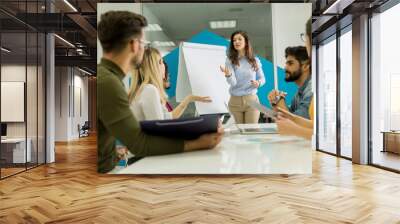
[235, 9]
[70, 5]
[333, 9]
[153, 27]
[223, 24]
[84, 71]
[163, 43]
[79, 51]
[65, 41]
[5, 50]
[79, 44]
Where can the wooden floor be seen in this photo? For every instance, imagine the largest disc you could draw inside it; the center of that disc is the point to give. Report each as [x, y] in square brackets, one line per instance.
[70, 191]
[10, 171]
[5, 172]
[387, 159]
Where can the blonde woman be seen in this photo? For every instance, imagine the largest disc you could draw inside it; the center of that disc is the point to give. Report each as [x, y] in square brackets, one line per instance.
[147, 95]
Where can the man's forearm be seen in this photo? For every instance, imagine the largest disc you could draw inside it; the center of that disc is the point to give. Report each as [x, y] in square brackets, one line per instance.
[189, 145]
[305, 133]
[303, 121]
[282, 104]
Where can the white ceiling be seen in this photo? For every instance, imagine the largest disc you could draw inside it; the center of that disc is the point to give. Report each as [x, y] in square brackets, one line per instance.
[182, 21]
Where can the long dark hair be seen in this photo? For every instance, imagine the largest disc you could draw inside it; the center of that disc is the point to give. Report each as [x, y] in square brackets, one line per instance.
[233, 54]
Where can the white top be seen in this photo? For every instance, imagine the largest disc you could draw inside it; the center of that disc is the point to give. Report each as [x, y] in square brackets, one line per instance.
[147, 105]
[236, 154]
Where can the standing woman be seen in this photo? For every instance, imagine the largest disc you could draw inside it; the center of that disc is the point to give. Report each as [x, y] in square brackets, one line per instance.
[244, 74]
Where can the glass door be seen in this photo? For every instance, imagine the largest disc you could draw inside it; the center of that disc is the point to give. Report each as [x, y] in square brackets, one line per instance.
[346, 92]
[385, 89]
[327, 95]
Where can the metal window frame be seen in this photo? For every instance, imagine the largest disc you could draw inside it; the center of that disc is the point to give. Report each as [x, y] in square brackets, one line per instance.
[339, 32]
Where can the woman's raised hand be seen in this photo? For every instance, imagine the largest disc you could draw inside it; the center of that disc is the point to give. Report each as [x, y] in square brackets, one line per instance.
[204, 99]
[225, 70]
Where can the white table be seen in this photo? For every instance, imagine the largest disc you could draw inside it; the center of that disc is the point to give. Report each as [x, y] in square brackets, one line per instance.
[18, 144]
[236, 154]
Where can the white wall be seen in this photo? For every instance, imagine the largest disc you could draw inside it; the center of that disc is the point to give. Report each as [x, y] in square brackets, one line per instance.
[61, 103]
[288, 22]
[69, 85]
[16, 73]
[85, 98]
[105, 7]
[13, 73]
[80, 100]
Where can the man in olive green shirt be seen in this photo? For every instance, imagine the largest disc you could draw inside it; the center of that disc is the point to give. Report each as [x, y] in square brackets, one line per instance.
[121, 37]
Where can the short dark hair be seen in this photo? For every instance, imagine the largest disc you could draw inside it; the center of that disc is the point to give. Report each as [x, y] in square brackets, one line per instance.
[117, 27]
[299, 52]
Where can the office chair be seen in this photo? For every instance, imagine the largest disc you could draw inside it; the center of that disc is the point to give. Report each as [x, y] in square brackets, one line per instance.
[84, 130]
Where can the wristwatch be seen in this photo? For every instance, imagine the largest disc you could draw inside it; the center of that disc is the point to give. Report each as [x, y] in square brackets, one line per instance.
[277, 99]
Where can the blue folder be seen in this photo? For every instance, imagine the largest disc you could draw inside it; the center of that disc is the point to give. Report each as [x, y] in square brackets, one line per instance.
[183, 128]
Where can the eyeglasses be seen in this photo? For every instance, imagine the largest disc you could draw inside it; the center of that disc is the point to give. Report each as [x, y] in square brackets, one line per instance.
[303, 37]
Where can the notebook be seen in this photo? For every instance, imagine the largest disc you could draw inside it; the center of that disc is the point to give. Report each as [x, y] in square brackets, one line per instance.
[183, 128]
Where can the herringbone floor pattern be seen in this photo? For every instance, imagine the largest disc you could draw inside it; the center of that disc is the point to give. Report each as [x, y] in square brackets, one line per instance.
[70, 191]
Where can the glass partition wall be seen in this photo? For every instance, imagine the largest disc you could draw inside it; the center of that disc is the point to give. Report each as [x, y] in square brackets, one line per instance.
[345, 108]
[334, 94]
[326, 113]
[22, 77]
[385, 89]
